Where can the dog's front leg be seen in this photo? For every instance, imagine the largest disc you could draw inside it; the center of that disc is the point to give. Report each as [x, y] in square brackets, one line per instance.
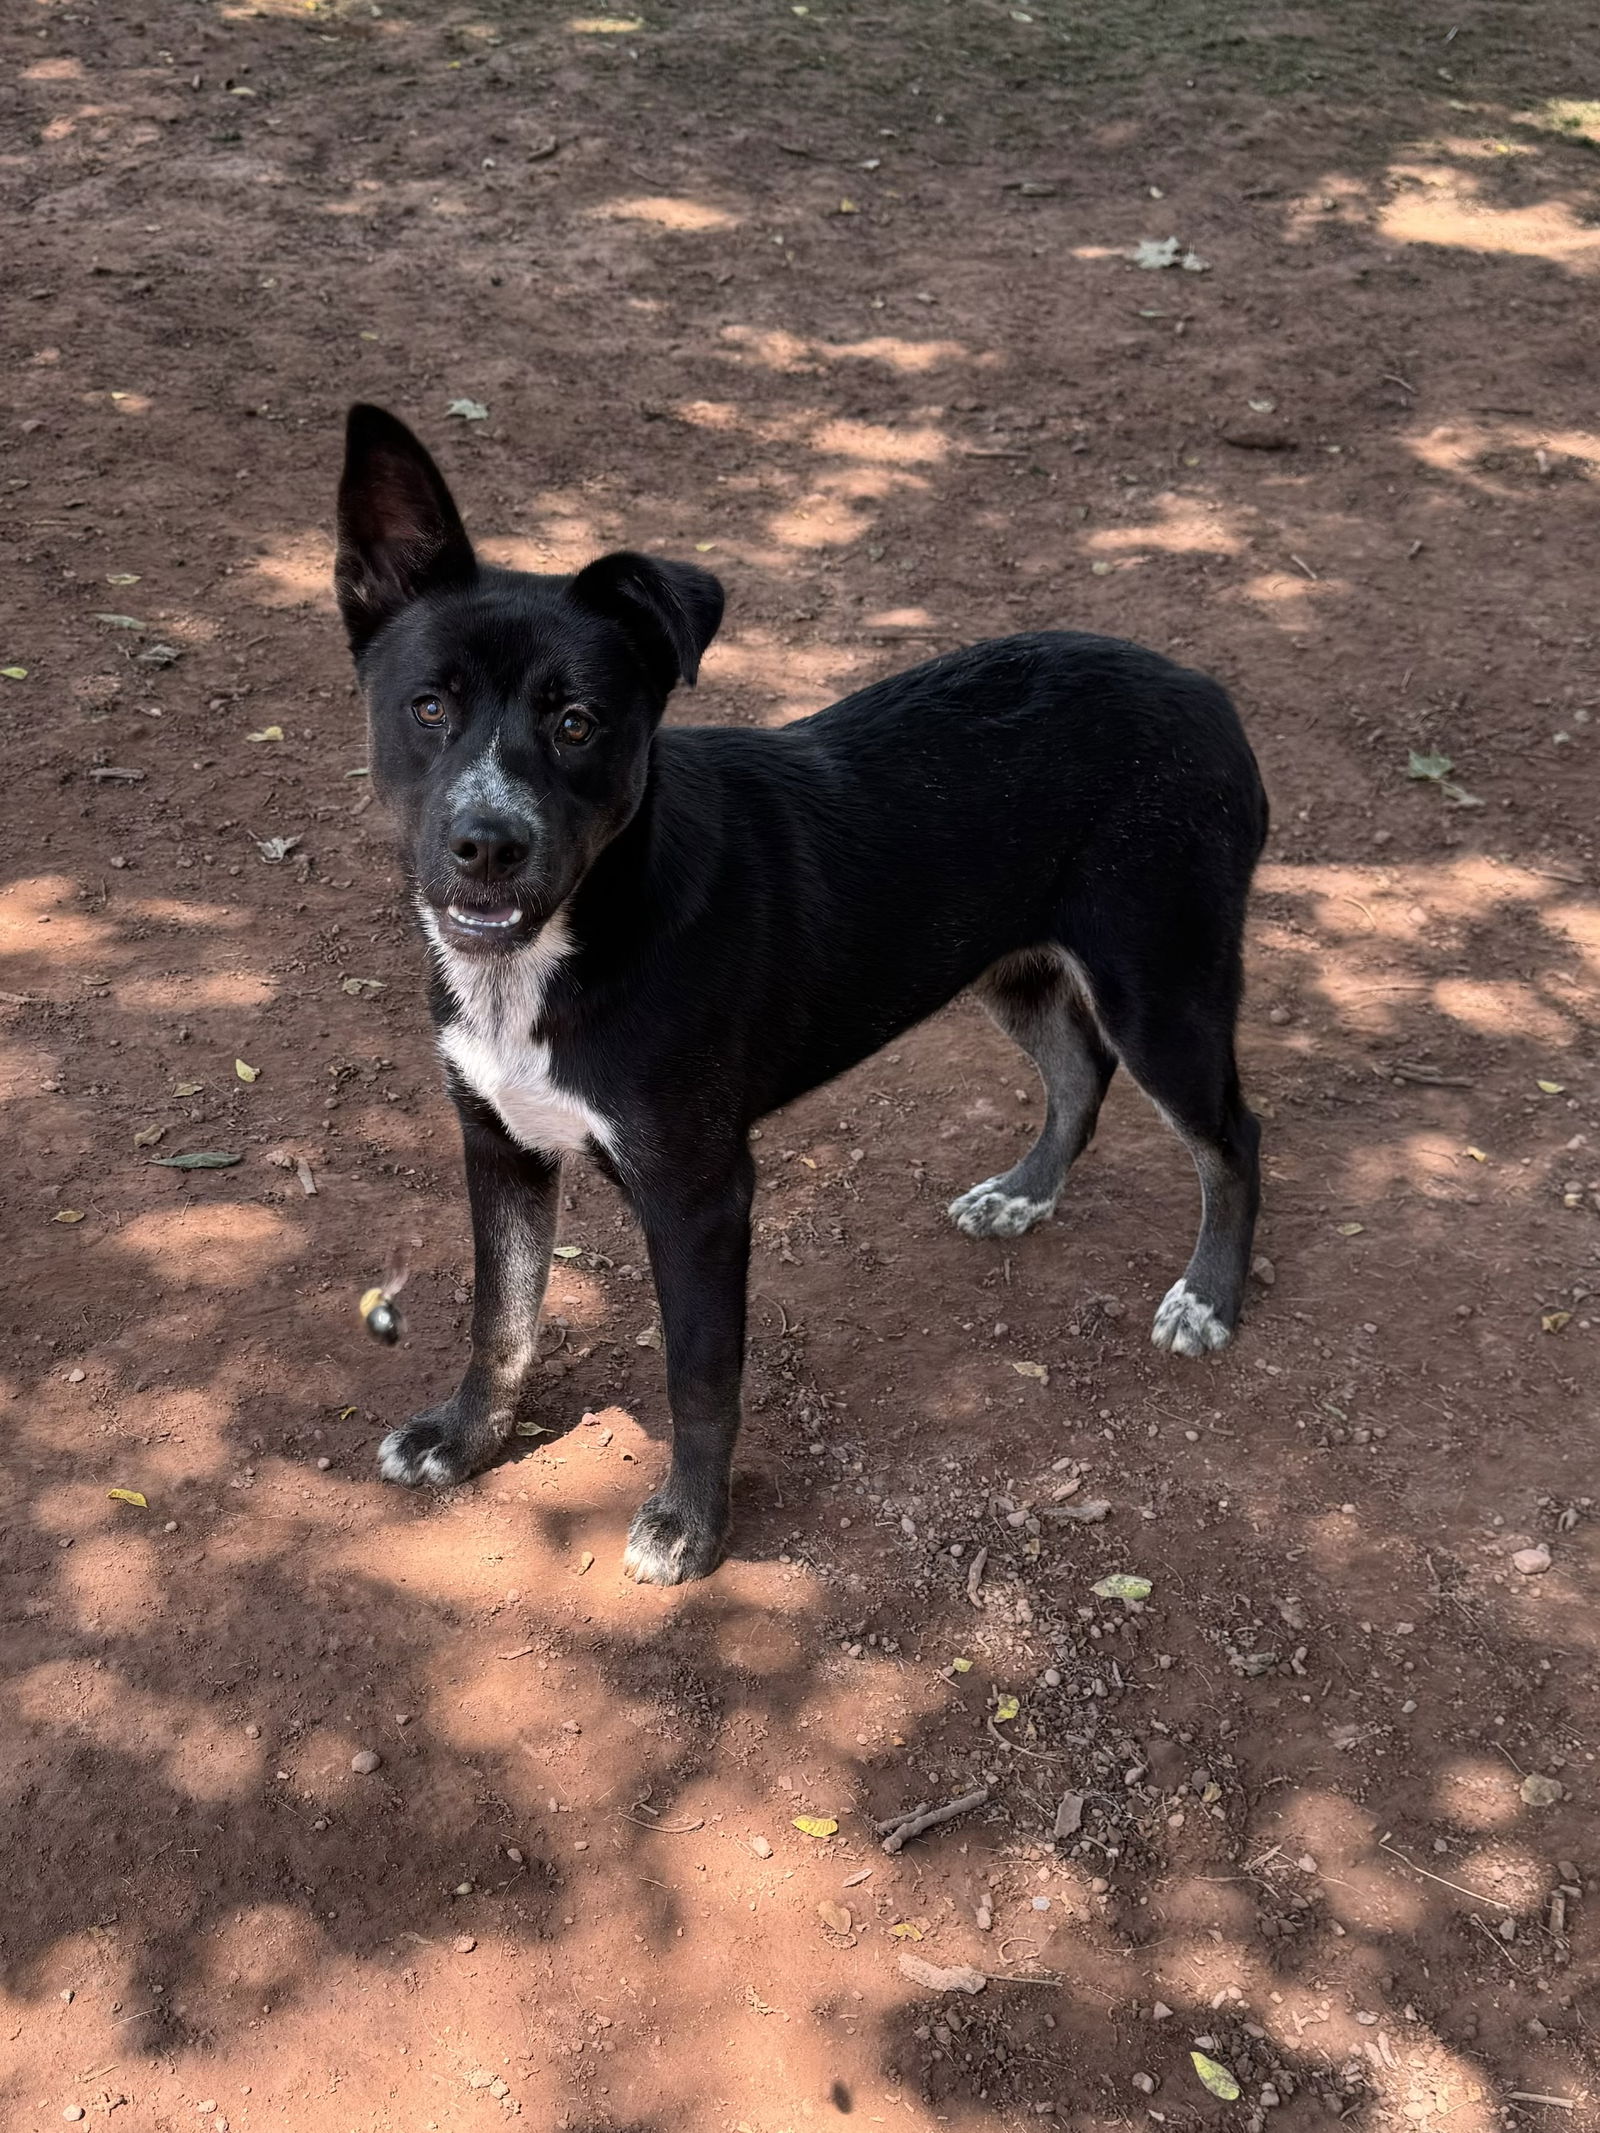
[514, 1197]
[700, 1253]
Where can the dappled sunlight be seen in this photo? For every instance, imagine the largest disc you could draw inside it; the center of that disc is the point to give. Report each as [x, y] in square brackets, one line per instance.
[1485, 453]
[782, 351]
[299, 573]
[1187, 526]
[1436, 204]
[201, 1247]
[188, 1748]
[663, 213]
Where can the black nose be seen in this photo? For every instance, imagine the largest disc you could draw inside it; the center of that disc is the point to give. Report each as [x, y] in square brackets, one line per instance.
[489, 847]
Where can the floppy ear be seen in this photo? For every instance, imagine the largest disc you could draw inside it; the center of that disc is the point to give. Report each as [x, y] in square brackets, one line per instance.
[669, 610]
[400, 534]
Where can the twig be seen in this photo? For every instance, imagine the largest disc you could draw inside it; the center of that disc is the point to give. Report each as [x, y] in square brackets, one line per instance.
[914, 1825]
[522, 1652]
[1389, 378]
[975, 1577]
[1423, 1871]
[1300, 563]
[1427, 1077]
[908, 1814]
[1562, 2103]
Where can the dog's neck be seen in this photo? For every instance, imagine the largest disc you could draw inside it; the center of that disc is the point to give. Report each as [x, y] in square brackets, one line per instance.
[501, 997]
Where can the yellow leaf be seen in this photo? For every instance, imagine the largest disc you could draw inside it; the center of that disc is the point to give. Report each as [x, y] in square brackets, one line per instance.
[132, 1496]
[1121, 1586]
[346, 1412]
[1006, 1708]
[1351, 1229]
[14, 673]
[1032, 1370]
[962, 1666]
[905, 1931]
[1553, 1321]
[704, 547]
[188, 1088]
[267, 733]
[848, 207]
[147, 1136]
[1477, 1155]
[123, 577]
[1215, 2077]
[68, 1214]
[246, 1073]
[816, 1825]
[1554, 1088]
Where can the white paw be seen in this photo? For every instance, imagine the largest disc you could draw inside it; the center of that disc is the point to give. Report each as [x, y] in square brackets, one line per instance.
[413, 1456]
[1186, 1324]
[988, 1210]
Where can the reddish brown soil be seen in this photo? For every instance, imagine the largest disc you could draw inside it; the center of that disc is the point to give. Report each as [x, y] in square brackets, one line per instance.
[951, 408]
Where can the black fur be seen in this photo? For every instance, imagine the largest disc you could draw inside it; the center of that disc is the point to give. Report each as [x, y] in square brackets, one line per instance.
[1066, 821]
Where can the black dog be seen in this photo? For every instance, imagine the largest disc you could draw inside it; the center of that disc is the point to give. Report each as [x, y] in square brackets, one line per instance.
[643, 938]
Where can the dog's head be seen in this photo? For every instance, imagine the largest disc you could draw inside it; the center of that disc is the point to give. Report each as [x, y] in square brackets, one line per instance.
[510, 715]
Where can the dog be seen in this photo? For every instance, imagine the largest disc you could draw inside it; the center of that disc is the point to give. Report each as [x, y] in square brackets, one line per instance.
[643, 938]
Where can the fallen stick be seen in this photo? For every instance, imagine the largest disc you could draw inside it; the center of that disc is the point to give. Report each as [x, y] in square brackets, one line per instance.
[1562, 2103]
[907, 1814]
[914, 1825]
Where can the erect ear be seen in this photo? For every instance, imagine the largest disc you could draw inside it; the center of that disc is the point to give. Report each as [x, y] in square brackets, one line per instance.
[400, 534]
[669, 610]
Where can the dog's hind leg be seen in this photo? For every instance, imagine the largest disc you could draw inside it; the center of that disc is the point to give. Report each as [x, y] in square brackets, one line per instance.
[1037, 1000]
[1175, 1037]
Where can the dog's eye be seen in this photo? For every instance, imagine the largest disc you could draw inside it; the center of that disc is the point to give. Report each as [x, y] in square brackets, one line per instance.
[575, 727]
[427, 711]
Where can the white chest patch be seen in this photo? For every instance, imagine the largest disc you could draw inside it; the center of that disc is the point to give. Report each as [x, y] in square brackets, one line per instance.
[492, 1043]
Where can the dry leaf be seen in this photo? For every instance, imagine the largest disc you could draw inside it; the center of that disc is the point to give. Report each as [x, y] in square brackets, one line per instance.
[1554, 1088]
[1006, 1709]
[1351, 1229]
[961, 1666]
[1120, 1586]
[1554, 1321]
[963, 1978]
[1215, 2077]
[14, 673]
[1032, 1370]
[140, 1503]
[188, 1088]
[68, 1214]
[267, 733]
[816, 1825]
[147, 1136]
[834, 1916]
[246, 1073]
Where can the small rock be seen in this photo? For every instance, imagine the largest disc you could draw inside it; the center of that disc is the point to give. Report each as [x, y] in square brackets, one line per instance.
[1161, 2012]
[984, 1915]
[1532, 1562]
[323, 1465]
[463, 1944]
[513, 1855]
[74, 1377]
[72, 2113]
[1145, 2084]
[1541, 1791]
[1264, 1270]
[252, 1732]
[761, 1848]
[68, 1996]
[365, 1761]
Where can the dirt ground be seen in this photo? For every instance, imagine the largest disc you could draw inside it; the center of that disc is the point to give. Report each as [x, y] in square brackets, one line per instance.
[842, 301]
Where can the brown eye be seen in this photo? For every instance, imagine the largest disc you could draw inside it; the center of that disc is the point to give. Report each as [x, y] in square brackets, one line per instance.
[427, 711]
[575, 727]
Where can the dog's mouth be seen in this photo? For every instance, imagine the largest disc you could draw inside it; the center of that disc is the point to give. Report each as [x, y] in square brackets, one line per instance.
[485, 925]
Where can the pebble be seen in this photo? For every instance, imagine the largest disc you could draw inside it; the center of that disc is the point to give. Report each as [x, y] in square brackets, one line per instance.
[365, 1761]
[68, 1996]
[73, 2112]
[252, 1732]
[463, 1944]
[1145, 2084]
[513, 1855]
[1532, 1562]
[761, 1848]
[1161, 2012]
[323, 1465]
[74, 1377]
